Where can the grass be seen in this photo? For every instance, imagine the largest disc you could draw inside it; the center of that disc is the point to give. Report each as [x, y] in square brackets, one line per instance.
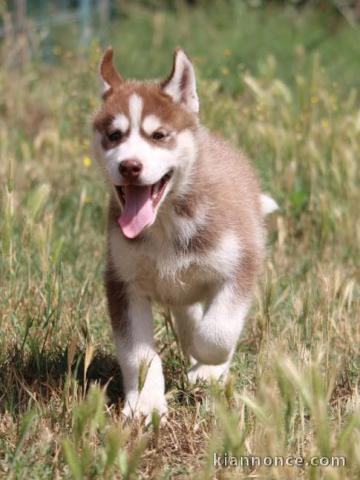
[291, 103]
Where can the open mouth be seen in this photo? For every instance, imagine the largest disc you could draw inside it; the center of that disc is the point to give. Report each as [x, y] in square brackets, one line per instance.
[157, 189]
[139, 204]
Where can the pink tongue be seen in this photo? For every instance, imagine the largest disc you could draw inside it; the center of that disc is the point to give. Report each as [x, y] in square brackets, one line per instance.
[138, 211]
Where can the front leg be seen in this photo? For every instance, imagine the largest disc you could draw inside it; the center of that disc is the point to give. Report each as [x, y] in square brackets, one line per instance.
[132, 325]
[214, 337]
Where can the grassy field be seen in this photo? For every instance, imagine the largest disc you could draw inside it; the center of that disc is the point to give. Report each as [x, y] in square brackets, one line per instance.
[283, 85]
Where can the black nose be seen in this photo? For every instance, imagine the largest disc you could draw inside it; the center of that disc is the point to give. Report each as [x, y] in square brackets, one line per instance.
[130, 169]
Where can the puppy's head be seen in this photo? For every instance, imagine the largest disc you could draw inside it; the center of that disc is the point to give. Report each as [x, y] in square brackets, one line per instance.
[144, 139]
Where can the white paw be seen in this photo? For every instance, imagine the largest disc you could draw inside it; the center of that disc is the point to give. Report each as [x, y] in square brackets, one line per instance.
[143, 404]
[208, 373]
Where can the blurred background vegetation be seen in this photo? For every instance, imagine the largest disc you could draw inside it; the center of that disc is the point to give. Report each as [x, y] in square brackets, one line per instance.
[248, 29]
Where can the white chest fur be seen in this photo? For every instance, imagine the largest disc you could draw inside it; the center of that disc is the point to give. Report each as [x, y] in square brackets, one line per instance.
[169, 276]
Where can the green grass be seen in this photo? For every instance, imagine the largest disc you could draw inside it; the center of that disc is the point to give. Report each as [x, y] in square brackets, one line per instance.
[280, 84]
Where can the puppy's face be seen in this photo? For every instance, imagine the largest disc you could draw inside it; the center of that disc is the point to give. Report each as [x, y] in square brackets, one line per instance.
[143, 137]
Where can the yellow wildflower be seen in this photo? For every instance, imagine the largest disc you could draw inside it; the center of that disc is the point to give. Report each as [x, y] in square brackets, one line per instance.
[87, 161]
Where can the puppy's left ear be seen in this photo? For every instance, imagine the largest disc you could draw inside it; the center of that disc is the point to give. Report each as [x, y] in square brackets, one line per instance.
[181, 83]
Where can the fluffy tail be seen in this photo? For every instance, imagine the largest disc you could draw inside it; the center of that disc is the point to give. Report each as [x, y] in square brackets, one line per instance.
[268, 205]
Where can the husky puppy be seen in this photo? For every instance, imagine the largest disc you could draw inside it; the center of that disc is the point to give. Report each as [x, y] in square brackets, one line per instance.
[185, 228]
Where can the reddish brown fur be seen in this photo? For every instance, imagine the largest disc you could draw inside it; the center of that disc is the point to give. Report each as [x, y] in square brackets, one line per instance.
[205, 244]
[117, 300]
[154, 99]
[222, 179]
[235, 189]
[108, 72]
[233, 185]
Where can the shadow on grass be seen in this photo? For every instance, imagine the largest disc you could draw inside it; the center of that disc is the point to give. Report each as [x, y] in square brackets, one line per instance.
[42, 375]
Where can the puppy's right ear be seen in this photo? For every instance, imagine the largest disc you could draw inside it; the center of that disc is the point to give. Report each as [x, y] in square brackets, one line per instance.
[181, 83]
[110, 77]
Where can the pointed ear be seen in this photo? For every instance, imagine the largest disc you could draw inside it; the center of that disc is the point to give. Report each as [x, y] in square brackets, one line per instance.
[110, 77]
[181, 83]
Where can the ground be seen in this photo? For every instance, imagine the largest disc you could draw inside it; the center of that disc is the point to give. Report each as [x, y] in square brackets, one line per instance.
[280, 83]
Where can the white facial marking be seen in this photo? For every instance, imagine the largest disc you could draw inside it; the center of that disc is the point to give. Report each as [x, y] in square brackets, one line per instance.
[136, 146]
[150, 124]
[135, 109]
[121, 122]
[156, 159]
